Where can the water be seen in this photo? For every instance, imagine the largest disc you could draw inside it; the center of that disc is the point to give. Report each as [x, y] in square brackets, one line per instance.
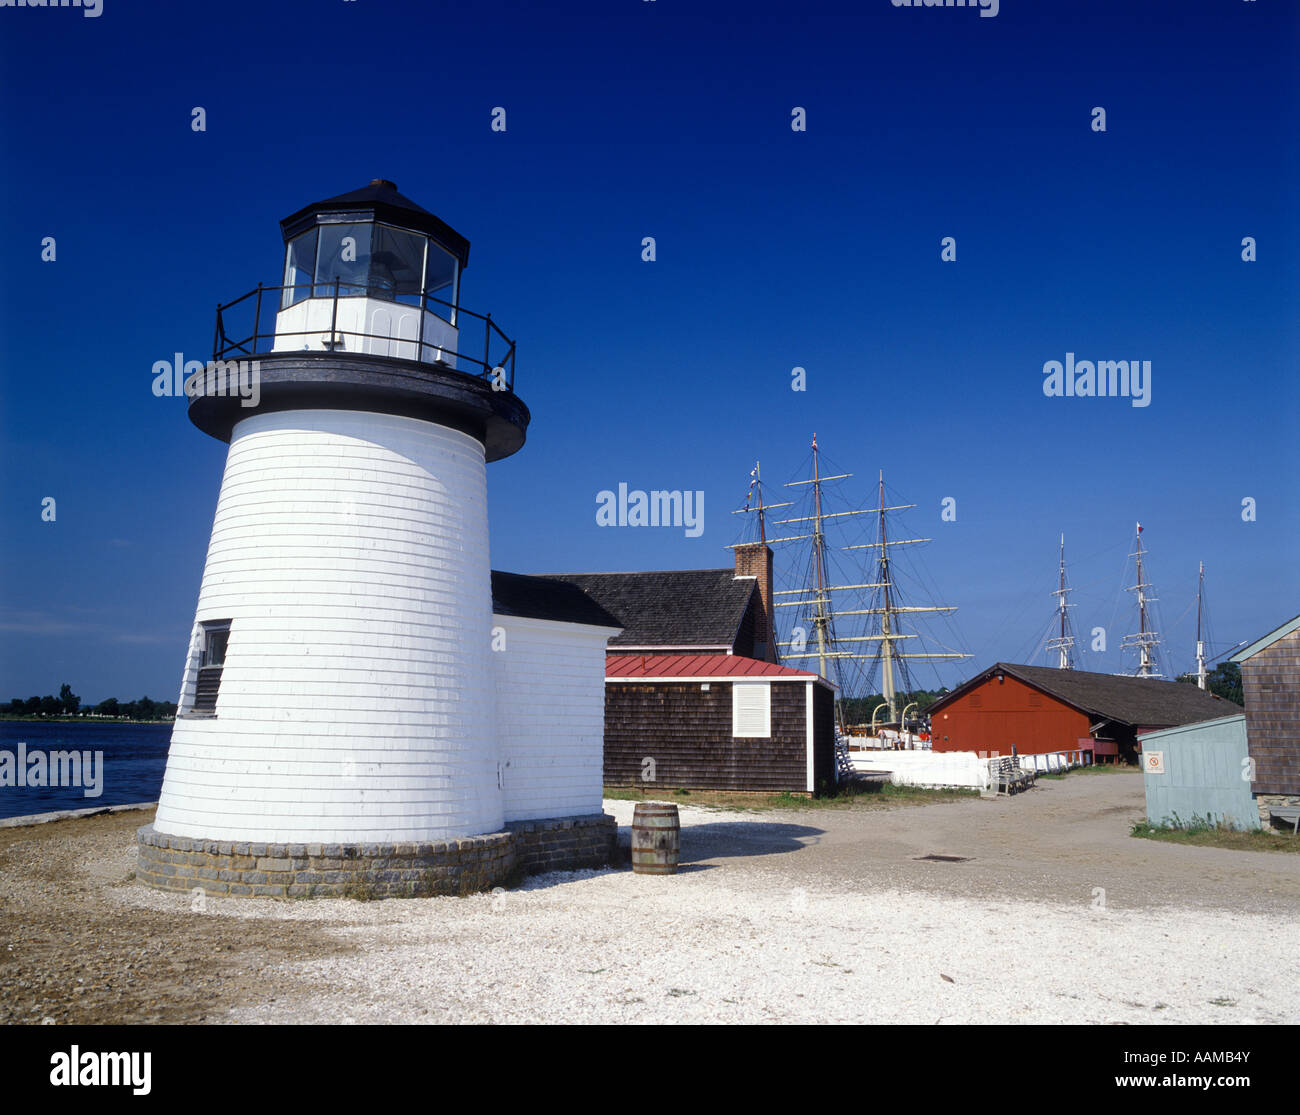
[135, 756]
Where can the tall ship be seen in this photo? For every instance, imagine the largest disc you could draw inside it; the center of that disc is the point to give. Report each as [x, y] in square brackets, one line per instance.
[847, 606]
[1146, 639]
[1061, 642]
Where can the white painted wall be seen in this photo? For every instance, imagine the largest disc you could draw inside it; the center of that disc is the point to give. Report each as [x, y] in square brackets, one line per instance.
[550, 701]
[810, 752]
[927, 768]
[350, 552]
[1051, 762]
[390, 328]
[954, 768]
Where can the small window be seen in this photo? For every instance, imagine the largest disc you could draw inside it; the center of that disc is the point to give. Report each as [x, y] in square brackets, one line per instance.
[751, 709]
[216, 638]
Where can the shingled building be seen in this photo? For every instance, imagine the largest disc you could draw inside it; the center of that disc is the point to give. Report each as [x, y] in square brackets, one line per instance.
[1270, 681]
[695, 611]
[694, 695]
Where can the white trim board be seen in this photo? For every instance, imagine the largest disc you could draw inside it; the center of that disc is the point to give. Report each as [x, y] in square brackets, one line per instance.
[808, 734]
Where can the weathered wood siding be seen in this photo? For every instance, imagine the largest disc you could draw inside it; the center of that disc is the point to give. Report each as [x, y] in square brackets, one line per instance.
[1270, 681]
[687, 732]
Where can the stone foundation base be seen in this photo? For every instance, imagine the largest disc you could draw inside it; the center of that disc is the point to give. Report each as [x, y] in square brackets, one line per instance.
[366, 871]
[1266, 800]
[565, 843]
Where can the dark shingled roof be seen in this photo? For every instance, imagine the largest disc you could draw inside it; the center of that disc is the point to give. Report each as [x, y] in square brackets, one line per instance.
[515, 594]
[671, 607]
[1140, 702]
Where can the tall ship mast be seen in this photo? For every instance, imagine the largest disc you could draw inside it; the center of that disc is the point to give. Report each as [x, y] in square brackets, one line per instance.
[1063, 642]
[824, 624]
[1145, 640]
[815, 600]
[1205, 636]
[760, 509]
[887, 604]
[1202, 675]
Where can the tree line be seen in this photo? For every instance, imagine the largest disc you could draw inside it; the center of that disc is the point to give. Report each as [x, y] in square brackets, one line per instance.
[67, 703]
[858, 710]
[1223, 681]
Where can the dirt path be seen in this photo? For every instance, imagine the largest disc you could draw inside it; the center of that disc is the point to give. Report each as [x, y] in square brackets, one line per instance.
[802, 916]
[1055, 843]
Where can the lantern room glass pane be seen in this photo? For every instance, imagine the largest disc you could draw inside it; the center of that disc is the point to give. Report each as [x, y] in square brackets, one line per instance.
[397, 264]
[344, 255]
[440, 281]
[299, 266]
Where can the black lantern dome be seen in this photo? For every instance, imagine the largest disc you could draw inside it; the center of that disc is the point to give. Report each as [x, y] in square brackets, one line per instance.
[379, 201]
[374, 242]
[368, 317]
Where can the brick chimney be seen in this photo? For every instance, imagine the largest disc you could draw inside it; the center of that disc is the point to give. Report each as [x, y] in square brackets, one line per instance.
[754, 559]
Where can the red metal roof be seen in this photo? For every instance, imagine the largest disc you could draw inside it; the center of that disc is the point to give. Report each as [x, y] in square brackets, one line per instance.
[696, 666]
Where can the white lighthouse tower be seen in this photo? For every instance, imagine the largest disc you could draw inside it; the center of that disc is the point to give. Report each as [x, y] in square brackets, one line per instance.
[337, 706]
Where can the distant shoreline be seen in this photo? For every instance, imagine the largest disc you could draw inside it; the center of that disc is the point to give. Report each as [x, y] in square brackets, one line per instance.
[78, 720]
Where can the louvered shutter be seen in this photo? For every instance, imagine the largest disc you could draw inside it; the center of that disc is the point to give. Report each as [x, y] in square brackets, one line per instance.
[751, 709]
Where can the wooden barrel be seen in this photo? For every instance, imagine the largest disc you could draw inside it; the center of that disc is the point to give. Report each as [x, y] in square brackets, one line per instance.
[656, 838]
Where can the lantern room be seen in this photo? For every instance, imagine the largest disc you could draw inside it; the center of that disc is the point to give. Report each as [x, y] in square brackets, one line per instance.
[371, 272]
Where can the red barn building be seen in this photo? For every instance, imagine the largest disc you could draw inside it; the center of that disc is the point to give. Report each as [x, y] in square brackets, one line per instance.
[1035, 710]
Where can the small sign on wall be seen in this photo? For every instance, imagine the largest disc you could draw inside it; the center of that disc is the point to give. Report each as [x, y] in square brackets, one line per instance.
[1154, 762]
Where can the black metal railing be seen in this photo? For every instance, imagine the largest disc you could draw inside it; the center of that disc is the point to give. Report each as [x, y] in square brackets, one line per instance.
[236, 336]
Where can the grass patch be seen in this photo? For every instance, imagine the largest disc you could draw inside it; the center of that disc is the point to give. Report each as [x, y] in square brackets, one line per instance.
[1204, 832]
[849, 797]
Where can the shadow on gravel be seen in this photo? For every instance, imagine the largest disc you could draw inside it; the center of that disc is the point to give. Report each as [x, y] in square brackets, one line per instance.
[726, 839]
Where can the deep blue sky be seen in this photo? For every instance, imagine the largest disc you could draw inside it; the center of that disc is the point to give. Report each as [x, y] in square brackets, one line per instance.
[633, 118]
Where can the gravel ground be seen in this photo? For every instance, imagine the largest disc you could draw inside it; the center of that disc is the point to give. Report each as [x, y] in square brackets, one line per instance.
[1055, 915]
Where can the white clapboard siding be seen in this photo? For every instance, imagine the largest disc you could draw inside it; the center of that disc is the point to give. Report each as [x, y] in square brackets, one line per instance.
[350, 553]
[551, 716]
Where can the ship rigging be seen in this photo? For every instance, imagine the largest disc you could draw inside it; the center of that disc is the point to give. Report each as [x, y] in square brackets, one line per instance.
[852, 646]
